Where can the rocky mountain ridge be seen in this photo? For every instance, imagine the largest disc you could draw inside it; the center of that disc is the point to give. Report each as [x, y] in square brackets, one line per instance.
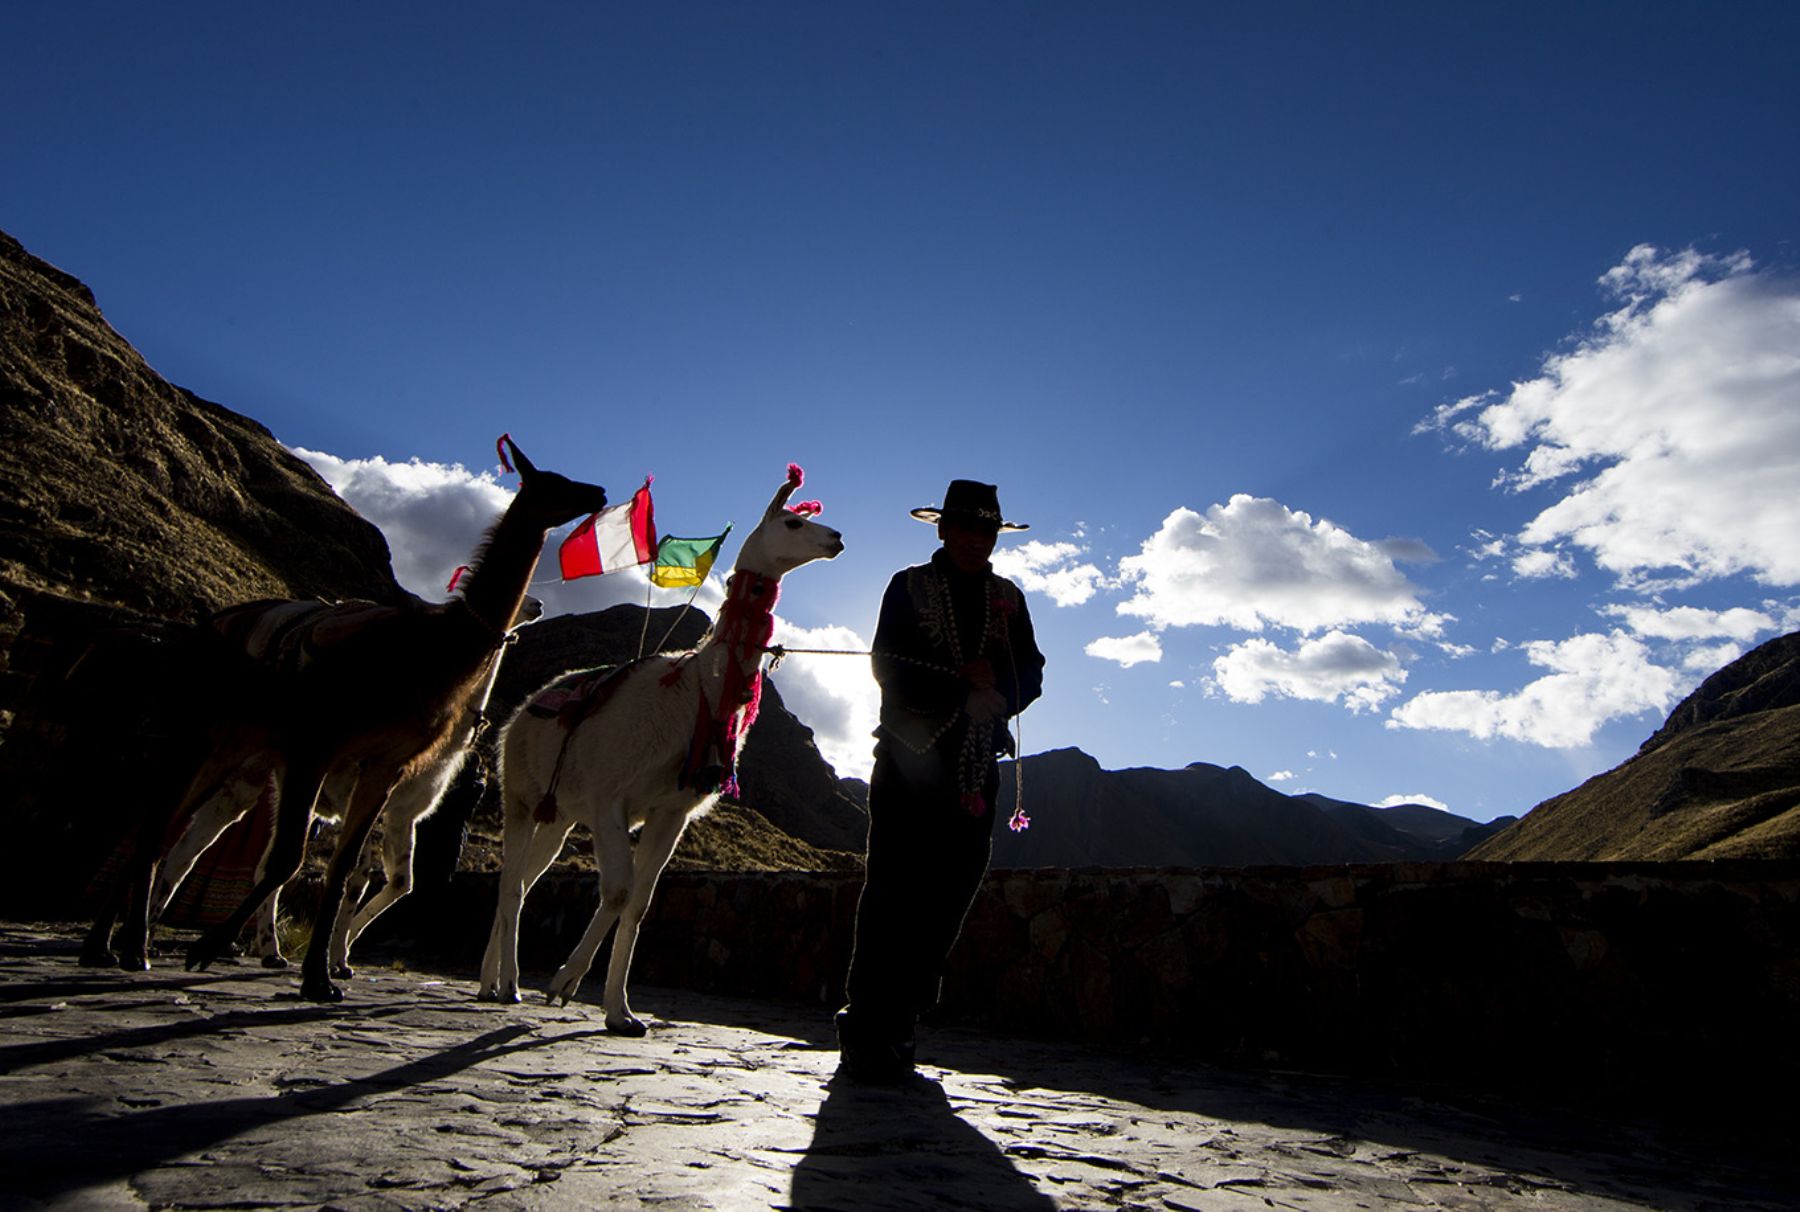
[119, 487]
[1720, 779]
[1206, 816]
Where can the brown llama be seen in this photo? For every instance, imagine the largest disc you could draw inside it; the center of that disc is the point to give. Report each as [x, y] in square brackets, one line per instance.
[379, 688]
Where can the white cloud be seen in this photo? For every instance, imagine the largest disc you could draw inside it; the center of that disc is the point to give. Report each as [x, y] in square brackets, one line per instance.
[1281, 776]
[1593, 679]
[1394, 801]
[1127, 650]
[435, 514]
[835, 696]
[1709, 660]
[1674, 426]
[1540, 563]
[432, 514]
[1333, 666]
[1253, 562]
[1053, 569]
[1692, 623]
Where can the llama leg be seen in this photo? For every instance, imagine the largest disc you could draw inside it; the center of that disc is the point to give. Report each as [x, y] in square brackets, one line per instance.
[530, 848]
[164, 803]
[661, 833]
[359, 818]
[96, 948]
[268, 936]
[612, 854]
[396, 861]
[293, 814]
[214, 817]
[133, 895]
[409, 803]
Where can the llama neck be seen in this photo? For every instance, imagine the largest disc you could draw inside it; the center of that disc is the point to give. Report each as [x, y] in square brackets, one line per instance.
[736, 645]
[747, 617]
[494, 587]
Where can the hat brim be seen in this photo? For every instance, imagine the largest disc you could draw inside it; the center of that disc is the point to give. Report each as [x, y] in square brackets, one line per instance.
[932, 516]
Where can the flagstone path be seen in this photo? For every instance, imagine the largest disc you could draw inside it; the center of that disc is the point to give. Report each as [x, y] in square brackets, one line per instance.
[223, 1090]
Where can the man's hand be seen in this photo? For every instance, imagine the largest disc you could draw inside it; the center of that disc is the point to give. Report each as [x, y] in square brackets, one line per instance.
[979, 673]
[985, 703]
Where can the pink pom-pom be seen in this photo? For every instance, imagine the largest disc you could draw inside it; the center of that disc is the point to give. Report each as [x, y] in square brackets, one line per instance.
[796, 477]
[1020, 822]
[806, 509]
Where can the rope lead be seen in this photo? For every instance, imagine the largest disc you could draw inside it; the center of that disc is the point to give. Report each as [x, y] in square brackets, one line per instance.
[1019, 822]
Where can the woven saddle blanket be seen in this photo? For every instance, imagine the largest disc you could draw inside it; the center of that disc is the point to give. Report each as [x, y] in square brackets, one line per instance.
[574, 697]
[287, 635]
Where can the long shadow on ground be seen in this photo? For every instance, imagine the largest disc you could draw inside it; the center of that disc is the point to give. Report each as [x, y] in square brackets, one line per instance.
[1642, 1155]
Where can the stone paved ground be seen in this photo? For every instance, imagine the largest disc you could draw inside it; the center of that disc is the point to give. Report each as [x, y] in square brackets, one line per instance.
[223, 1090]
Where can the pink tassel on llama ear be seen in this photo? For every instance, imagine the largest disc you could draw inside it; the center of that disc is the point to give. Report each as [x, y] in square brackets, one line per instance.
[806, 509]
[796, 477]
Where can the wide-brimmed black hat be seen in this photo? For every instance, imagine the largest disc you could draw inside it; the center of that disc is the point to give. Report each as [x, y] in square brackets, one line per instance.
[970, 503]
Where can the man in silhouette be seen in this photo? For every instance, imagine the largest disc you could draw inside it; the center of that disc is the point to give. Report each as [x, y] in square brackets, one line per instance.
[956, 659]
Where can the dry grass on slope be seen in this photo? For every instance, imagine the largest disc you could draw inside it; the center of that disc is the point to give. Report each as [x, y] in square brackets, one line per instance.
[1730, 789]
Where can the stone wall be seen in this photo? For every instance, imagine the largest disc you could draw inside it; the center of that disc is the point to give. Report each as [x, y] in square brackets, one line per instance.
[1618, 973]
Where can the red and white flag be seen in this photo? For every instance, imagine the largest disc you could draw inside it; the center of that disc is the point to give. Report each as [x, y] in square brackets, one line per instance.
[620, 536]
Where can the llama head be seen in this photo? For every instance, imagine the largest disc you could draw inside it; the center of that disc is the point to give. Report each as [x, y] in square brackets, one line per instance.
[531, 609]
[547, 498]
[787, 536]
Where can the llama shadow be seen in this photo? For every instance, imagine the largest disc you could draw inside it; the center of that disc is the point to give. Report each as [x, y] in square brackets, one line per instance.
[908, 1145]
[54, 1148]
[104, 981]
[14, 1057]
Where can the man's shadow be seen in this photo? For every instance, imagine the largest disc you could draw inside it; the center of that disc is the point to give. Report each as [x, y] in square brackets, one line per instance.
[903, 1146]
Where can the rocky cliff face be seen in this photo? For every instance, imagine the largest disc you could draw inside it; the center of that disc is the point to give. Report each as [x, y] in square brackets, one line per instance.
[1204, 816]
[1720, 779]
[118, 487]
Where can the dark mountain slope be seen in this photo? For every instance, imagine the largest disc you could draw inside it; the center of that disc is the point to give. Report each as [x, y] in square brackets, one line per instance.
[118, 487]
[1720, 779]
[1199, 816]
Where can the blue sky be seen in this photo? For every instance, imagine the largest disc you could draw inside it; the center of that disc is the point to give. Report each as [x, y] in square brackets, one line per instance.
[1404, 398]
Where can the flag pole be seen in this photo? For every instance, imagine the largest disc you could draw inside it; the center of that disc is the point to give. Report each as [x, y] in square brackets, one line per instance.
[649, 588]
[684, 609]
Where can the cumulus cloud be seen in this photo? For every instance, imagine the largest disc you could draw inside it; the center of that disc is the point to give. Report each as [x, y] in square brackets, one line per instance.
[1593, 680]
[1281, 776]
[1332, 667]
[1127, 650]
[1538, 563]
[1394, 801]
[433, 516]
[1692, 623]
[1673, 427]
[1053, 569]
[1710, 659]
[835, 696]
[1253, 562]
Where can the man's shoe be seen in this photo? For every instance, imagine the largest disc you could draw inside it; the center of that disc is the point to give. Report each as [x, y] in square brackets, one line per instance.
[877, 1064]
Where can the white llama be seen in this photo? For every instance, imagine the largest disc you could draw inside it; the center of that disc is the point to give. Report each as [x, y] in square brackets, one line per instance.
[410, 802]
[651, 746]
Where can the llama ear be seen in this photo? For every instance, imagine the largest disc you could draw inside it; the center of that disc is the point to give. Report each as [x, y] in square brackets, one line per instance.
[795, 477]
[525, 465]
